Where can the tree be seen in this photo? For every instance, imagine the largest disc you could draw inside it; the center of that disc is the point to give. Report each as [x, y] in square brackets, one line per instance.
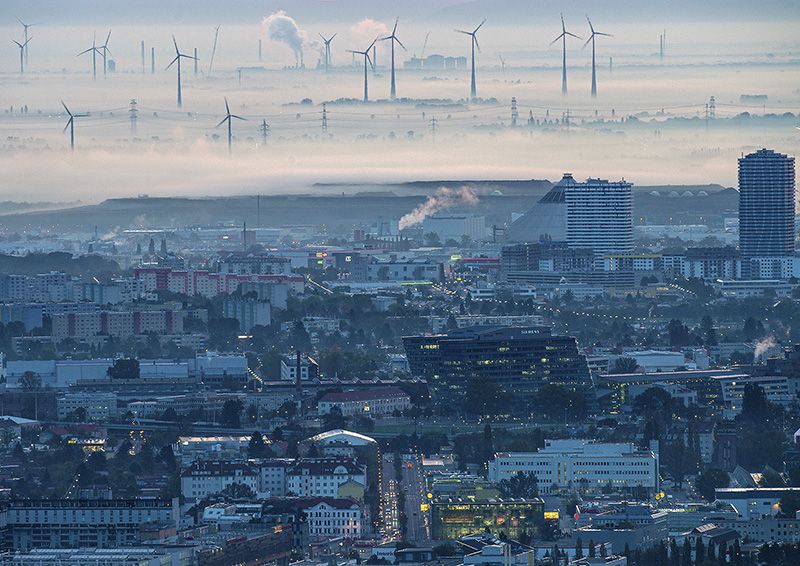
[709, 332]
[334, 419]
[523, 485]
[625, 365]
[257, 448]
[488, 443]
[755, 407]
[678, 333]
[237, 490]
[484, 397]
[557, 402]
[752, 329]
[709, 481]
[231, 413]
[790, 503]
[124, 368]
[578, 548]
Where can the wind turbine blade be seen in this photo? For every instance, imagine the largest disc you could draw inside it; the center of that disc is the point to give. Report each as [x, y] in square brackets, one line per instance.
[462, 31]
[20, 21]
[394, 29]
[107, 50]
[238, 117]
[400, 43]
[590, 23]
[172, 62]
[227, 108]
[331, 39]
[478, 45]
[556, 39]
[371, 45]
[27, 42]
[323, 38]
[480, 26]
[563, 27]
[221, 122]
[587, 41]
[369, 60]
[175, 43]
[601, 33]
[17, 42]
[107, 38]
[82, 52]
[573, 35]
[69, 122]
[65, 108]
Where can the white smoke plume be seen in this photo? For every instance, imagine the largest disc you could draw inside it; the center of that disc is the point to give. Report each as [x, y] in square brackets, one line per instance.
[763, 346]
[442, 199]
[282, 27]
[368, 29]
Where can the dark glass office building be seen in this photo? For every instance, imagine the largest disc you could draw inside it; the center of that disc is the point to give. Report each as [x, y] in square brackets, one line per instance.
[520, 359]
[766, 204]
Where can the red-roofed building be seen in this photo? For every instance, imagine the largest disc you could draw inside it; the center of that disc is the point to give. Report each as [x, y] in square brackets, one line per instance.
[382, 401]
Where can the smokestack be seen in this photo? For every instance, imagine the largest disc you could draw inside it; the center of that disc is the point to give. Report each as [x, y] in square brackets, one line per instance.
[195, 61]
[152, 60]
[143, 61]
[259, 51]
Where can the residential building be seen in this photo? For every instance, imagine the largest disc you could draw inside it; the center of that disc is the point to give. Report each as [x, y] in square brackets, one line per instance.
[248, 312]
[99, 407]
[455, 226]
[377, 402]
[207, 477]
[599, 216]
[766, 204]
[582, 464]
[322, 477]
[75, 523]
[753, 502]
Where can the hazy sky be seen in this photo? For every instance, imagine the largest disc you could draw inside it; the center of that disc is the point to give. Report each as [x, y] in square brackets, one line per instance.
[720, 49]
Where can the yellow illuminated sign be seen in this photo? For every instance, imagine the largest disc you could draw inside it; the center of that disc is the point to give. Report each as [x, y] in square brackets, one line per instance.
[424, 506]
[551, 515]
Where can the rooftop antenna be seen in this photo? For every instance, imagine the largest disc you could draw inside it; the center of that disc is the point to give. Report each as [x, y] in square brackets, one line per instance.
[94, 51]
[327, 43]
[213, 50]
[106, 52]
[71, 125]
[178, 57]
[367, 61]
[21, 54]
[228, 118]
[594, 61]
[563, 38]
[393, 38]
[474, 43]
[25, 31]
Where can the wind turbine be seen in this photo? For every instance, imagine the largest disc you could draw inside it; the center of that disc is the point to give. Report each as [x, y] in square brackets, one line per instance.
[178, 57]
[474, 42]
[25, 29]
[393, 38]
[228, 118]
[594, 68]
[21, 54]
[71, 125]
[327, 43]
[106, 52]
[367, 59]
[94, 51]
[563, 38]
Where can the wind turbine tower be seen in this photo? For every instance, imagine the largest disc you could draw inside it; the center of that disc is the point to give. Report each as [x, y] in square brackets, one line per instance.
[106, 52]
[94, 51]
[71, 125]
[327, 43]
[474, 43]
[563, 38]
[594, 60]
[25, 31]
[393, 38]
[229, 118]
[367, 61]
[177, 59]
[21, 54]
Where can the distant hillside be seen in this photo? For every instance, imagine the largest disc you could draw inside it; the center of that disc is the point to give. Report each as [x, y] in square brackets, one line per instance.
[32, 264]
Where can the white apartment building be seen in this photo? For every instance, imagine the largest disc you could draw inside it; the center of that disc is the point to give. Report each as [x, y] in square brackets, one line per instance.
[599, 216]
[383, 401]
[331, 518]
[779, 389]
[272, 475]
[204, 478]
[99, 407]
[322, 477]
[753, 502]
[581, 464]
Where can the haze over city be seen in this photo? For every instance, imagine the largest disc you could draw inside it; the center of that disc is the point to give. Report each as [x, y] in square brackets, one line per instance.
[418, 283]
